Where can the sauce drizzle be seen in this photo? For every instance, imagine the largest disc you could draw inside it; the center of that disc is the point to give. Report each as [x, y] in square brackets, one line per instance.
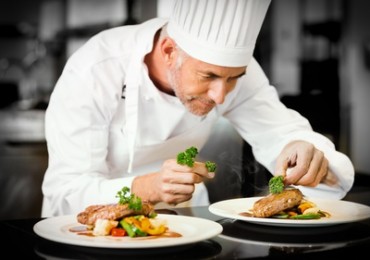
[84, 231]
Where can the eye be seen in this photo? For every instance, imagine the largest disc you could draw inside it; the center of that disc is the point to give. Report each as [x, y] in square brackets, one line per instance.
[207, 77]
[232, 79]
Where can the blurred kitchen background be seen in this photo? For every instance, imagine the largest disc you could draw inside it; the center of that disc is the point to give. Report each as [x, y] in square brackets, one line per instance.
[316, 53]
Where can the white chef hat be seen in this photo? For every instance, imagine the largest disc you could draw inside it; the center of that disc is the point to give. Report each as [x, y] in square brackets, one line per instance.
[219, 32]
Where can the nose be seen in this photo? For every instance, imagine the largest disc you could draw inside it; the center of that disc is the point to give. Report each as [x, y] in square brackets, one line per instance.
[217, 91]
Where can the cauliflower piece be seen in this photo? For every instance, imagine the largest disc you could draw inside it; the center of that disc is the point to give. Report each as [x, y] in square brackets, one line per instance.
[313, 210]
[103, 227]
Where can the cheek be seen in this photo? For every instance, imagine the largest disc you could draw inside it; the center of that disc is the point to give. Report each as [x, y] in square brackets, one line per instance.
[198, 88]
[230, 88]
[193, 86]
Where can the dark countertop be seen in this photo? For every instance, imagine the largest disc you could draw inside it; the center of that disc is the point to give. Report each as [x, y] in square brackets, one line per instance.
[239, 240]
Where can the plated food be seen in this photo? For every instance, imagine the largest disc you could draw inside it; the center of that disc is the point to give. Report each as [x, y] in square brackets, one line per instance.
[192, 230]
[287, 204]
[129, 217]
[120, 220]
[284, 202]
[340, 212]
[130, 223]
[275, 203]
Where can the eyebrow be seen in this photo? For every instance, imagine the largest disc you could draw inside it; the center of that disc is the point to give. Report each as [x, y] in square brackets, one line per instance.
[240, 75]
[213, 75]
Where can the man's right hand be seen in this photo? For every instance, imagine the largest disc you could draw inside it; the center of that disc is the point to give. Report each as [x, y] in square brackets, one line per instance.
[173, 184]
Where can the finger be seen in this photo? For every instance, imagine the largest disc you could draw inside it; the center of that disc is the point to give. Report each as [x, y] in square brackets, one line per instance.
[178, 177]
[292, 160]
[330, 179]
[298, 167]
[315, 171]
[201, 169]
[178, 198]
[282, 167]
[178, 188]
[171, 165]
[322, 173]
[176, 193]
[174, 199]
[189, 178]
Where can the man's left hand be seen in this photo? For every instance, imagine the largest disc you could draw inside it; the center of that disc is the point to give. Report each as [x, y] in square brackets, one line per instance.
[302, 164]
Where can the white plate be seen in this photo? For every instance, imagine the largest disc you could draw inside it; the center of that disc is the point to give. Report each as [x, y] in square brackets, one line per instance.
[341, 212]
[192, 229]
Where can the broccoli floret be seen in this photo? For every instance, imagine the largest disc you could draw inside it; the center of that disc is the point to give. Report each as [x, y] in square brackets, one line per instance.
[276, 184]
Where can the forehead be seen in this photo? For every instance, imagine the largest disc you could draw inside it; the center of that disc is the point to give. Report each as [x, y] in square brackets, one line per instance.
[207, 68]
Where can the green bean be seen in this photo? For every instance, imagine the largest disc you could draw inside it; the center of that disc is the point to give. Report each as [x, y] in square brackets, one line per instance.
[307, 216]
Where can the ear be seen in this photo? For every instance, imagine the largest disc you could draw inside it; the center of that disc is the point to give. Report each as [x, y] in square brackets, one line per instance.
[168, 50]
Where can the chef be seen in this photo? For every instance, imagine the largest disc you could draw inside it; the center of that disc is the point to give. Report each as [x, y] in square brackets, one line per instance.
[133, 97]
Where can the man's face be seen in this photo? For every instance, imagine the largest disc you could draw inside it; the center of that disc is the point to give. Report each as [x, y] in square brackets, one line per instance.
[201, 86]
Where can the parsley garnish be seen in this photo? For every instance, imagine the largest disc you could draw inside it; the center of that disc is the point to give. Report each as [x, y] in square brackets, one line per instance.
[188, 156]
[211, 166]
[276, 184]
[134, 202]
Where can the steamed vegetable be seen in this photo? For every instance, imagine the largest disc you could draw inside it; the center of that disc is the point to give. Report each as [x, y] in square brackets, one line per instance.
[142, 226]
[307, 216]
[276, 184]
[188, 157]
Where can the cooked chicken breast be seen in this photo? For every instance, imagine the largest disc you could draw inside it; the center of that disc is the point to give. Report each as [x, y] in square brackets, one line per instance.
[274, 203]
[111, 212]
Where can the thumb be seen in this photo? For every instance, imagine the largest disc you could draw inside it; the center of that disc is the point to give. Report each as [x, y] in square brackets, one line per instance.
[200, 169]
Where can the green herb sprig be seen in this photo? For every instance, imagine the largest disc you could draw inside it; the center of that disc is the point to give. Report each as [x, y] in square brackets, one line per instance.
[134, 202]
[276, 184]
[211, 166]
[188, 157]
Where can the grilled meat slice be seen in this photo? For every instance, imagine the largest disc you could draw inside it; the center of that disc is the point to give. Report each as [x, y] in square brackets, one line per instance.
[274, 203]
[111, 212]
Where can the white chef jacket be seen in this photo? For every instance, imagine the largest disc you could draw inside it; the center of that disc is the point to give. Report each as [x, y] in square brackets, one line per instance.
[107, 123]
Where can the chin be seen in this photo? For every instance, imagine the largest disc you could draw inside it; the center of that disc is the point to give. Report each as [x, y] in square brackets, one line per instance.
[198, 108]
[199, 112]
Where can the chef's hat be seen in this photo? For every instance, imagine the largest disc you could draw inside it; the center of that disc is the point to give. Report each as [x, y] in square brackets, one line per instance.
[219, 32]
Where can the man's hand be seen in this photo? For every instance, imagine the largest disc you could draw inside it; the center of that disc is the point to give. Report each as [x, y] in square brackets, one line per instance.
[173, 184]
[302, 164]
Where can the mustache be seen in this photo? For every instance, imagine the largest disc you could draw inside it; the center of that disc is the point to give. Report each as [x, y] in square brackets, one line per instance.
[201, 99]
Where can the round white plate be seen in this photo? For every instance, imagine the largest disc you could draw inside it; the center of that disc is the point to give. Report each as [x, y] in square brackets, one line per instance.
[341, 212]
[192, 229]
